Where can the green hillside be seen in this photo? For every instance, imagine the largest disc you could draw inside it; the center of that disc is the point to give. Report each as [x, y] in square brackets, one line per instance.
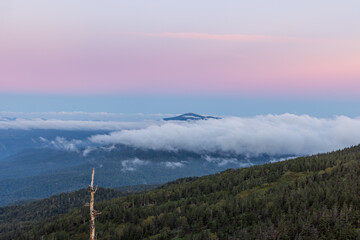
[21, 217]
[315, 197]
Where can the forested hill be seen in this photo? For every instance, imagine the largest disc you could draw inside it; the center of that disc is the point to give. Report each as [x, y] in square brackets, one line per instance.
[316, 197]
[21, 217]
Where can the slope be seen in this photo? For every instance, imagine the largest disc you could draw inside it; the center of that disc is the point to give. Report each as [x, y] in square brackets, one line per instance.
[20, 217]
[315, 197]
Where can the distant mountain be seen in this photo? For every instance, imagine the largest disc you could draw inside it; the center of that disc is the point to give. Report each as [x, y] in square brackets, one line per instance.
[189, 117]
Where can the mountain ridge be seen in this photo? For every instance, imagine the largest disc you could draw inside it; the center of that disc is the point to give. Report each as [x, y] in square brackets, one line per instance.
[189, 117]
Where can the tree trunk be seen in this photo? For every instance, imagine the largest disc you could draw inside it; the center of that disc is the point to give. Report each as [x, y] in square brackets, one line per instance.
[93, 213]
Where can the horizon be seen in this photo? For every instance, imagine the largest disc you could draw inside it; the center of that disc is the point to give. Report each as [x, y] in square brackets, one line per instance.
[143, 104]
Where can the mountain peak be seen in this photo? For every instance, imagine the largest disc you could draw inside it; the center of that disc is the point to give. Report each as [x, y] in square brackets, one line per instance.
[189, 117]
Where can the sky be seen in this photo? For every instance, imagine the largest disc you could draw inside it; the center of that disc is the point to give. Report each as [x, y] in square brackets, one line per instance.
[229, 57]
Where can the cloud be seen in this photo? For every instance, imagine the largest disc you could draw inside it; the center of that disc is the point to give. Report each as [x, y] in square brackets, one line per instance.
[63, 144]
[27, 124]
[83, 116]
[221, 37]
[132, 164]
[281, 159]
[225, 161]
[270, 134]
[174, 165]
[42, 139]
[89, 149]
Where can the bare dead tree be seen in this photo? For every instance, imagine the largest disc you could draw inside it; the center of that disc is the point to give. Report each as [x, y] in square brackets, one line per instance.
[93, 212]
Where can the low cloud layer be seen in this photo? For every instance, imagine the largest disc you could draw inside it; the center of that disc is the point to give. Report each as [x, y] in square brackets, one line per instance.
[173, 165]
[83, 116]
[133, 164]
[270, 134]
[89, 149]
[27, 124]
[225, 161]
[62, 143]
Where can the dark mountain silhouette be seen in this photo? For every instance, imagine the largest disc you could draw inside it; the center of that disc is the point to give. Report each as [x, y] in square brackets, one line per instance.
[189, 117]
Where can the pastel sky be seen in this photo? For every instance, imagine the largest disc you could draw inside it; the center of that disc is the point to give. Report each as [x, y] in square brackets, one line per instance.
[277, 49]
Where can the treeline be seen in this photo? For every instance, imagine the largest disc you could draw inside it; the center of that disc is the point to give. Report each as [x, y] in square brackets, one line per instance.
[315, 197]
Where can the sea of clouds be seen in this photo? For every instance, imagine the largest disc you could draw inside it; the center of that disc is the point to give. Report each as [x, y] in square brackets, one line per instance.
[270, 134]
[72, 125]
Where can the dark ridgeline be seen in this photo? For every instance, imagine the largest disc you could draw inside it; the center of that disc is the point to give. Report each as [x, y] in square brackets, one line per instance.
[190, 117]
[315, 197]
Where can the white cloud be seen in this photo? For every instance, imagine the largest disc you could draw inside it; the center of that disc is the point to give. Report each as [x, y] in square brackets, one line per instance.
[83, 116]
[43, 139]
[62, 143]
[281, 159]
[174, 165]
[224, 161]
[271, 134]
[27, 124]
[108, 148]
[132, 164]
[89, 149]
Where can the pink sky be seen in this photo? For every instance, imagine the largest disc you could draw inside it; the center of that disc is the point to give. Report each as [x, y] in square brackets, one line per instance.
[43, 53]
